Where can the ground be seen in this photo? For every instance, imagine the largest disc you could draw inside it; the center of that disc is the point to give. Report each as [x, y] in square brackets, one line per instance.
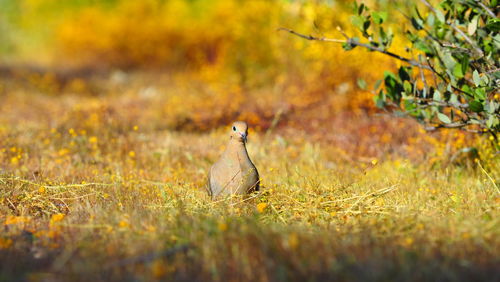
[112, 186]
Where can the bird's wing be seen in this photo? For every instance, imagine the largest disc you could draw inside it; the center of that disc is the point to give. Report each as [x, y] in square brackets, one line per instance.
[213, 184]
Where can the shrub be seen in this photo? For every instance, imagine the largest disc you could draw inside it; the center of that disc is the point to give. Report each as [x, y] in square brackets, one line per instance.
[451, 74]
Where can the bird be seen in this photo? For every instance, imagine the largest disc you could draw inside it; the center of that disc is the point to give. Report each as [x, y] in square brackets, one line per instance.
[234, 173]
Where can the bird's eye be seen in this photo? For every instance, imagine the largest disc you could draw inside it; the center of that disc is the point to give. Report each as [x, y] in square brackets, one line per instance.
[234, 128]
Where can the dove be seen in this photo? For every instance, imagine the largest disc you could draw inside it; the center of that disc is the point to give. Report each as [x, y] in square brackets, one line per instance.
[234, 172]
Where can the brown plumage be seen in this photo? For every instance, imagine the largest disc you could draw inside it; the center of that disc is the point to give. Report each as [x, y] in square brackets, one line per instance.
[234, 172]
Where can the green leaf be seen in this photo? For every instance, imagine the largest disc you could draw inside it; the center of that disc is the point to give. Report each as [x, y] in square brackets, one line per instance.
[457, 71]
[420, 45]
[485, 80]
[465, 88]
[361, 83]
[494, 106]
[417, 23]
[449, 61]
[465, 64]
[437, 96]
[492, 121]
[453, 99]
[366, 25]
[475, 106]
[441, 32]
[383, 35]
[377, 84]
[430, 19]
[479, 93]
[360, 9]
[440, 16]
[443, 118]
[407, 87]
[358, 21]
[411, 108]
[472, 27]
[347, 46]
[403, 73]
[389, 74]
[493, 25]
[380, 99]
[379, 17]
[490, 107]
[476, 78]
[390, 35]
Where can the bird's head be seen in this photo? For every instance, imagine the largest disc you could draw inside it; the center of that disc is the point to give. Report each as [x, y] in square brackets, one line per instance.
[239, 131]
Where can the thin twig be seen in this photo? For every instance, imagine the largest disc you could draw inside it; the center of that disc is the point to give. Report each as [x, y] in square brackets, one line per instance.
[441, 103]
[453, 46]
[480, 3]
[14, 207]
[377, 193]
[247, 199]
[74, 198]
[478, 50]
[277, 213]
[422, 73]
[491, 179]
[351, 41]
[492, 71]
[456, 125]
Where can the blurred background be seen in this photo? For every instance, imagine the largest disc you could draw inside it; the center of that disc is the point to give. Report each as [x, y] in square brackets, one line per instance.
[198, 65]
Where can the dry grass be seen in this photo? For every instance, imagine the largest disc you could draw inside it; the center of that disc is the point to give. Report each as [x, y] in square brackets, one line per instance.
[97, 188]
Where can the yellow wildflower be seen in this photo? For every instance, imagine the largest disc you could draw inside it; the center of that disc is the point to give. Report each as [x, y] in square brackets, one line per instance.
[57, 217]
[123, 224]
[261, 207]
[14, 160]
[63, 152]
[16, 219]
[408, 242]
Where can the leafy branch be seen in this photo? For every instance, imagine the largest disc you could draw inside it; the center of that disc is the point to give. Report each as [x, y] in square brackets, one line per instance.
[354, 42]
[456, 43]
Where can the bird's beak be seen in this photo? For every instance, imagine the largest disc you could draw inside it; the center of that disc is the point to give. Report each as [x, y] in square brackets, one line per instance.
[244, 137]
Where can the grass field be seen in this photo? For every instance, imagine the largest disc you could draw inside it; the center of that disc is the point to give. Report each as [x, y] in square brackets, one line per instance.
[98, 188]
